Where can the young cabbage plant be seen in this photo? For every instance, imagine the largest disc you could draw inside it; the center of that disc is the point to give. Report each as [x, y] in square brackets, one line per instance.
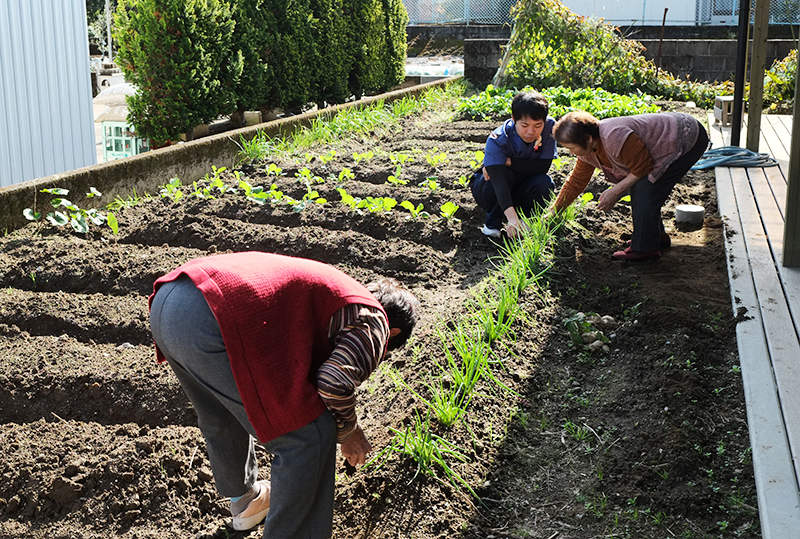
[477, 161]
[366, 156]
[172, 190]
[448, 210]
[394, 179]
[349, 200]
[416, 211]
[430, 183]
[436, 158]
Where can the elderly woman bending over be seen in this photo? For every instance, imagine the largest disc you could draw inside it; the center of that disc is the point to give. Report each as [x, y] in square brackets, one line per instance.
[645, 154]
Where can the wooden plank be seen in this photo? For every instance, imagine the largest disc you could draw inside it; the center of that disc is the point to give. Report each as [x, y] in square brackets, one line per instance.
[782, 126]
[777, 492]
[778, 145]
[782, 340]
[785, 122]
[777, 183]
[715, 132]
[769, 204]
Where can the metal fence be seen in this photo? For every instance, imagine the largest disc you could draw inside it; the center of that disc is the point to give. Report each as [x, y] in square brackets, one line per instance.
[708, 12]
[459, 11]
[727, 11]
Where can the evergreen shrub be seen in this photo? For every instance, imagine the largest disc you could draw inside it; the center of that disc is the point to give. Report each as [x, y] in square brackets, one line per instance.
[178, 54]
[195, 60]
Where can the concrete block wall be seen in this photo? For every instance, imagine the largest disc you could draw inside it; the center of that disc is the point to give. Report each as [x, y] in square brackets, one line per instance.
[697, 59]
[481, 59]
[706, 60]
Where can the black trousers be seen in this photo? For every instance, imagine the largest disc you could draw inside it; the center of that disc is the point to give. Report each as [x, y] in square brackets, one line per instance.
[648, 198]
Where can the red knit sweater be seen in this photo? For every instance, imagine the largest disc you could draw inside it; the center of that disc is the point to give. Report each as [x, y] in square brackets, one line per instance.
[273, 311]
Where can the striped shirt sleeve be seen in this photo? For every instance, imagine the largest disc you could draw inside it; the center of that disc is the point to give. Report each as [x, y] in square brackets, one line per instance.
[359, 334]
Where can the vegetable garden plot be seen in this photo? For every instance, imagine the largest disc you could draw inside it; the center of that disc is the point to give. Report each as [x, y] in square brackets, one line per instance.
[101, 441]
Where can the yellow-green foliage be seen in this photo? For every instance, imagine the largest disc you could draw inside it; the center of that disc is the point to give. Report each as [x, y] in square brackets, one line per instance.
[551, 46]
[780, 82]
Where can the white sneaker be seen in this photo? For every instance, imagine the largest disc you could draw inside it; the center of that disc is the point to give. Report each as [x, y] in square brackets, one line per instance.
[255, 512]
[491, 232]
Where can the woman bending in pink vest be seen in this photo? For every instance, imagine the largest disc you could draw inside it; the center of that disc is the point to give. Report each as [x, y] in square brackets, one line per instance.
[644, 154]
[271, 348]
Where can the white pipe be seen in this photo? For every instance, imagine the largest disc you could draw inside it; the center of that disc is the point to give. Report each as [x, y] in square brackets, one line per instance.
[108, 28]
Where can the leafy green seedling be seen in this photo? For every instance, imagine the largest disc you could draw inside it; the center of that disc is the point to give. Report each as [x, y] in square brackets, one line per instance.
[430, 183]
[309, 197]
[366, 156]
[463, 181]
[258, 194]
[416, 211]
[77, 217]
[328, 157]
[172, 190]
[378, 204]
[394, 179]
[435, 157]
[274, 170]
[448, 210]
[477, 161]
[346, 174]
[349, 200]
[305, 175]
[400, 158]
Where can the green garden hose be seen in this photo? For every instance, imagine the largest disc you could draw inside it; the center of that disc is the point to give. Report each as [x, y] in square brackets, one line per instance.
[733, 156]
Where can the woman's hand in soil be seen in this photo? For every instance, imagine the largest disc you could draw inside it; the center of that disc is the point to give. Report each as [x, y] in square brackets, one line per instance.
[609, 198]
[356, 447]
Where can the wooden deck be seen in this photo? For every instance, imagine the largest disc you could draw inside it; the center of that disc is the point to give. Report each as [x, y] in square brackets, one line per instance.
[766, 300]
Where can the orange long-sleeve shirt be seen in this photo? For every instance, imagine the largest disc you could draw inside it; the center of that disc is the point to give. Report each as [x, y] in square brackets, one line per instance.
[634, 154]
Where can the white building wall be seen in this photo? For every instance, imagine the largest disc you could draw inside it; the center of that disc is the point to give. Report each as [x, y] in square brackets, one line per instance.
[624, 13]
[46, 119]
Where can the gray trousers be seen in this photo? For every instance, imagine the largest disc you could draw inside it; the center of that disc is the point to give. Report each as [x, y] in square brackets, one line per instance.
[647, 198]
[304, 460]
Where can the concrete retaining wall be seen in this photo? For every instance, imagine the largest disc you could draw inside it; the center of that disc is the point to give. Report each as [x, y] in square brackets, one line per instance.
[146, 172]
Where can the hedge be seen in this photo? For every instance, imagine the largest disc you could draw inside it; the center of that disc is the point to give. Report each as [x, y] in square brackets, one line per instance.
[195, 60]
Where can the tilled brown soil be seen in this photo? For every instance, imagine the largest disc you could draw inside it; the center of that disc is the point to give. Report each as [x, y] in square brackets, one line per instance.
[99, 441]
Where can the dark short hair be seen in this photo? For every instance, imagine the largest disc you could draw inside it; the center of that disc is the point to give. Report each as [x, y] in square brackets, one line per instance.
[531, 104]
[576, 127]
[401, 306]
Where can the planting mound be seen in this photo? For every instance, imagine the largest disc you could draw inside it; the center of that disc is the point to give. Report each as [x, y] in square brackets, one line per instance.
[647, 439]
